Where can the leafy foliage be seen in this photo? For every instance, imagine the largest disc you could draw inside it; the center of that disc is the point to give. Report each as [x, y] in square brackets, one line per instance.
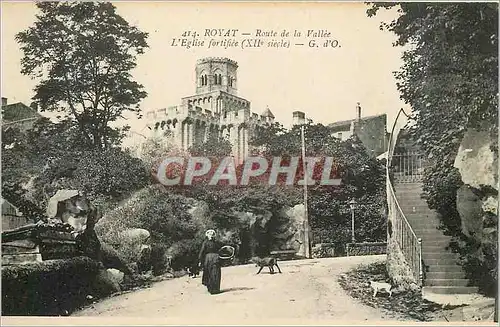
[213, 146]
[450, 78]
[362, 179]
[84, 53]
[49, 157]
[450, 71]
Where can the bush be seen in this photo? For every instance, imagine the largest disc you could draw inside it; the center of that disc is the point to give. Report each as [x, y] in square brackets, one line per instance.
[158, 260]
[53, 287]
[185, 252]
[174, 231]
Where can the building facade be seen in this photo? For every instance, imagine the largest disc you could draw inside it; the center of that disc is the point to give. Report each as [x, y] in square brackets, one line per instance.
[371, 131]
[18, 115]
[215, 109]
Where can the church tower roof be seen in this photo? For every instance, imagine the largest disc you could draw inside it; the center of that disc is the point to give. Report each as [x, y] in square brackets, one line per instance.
[268, 113]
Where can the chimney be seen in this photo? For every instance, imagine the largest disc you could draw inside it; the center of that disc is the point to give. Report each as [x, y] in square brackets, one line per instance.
[299, 118]
[34, 106]
[4, 101]
[358, 109]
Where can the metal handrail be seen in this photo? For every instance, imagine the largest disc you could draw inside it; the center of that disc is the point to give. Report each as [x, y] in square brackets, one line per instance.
[412, 249]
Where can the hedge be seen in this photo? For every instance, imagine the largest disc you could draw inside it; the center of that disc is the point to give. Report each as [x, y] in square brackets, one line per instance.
[48, 288]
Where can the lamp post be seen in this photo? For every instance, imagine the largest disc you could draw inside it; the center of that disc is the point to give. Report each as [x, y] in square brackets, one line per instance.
[307, 242]
[352, 205]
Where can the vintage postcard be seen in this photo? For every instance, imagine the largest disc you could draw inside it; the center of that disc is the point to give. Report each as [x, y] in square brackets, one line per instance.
[237, 163]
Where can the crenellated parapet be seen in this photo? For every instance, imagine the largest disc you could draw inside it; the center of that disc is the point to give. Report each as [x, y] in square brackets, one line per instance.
[221, 60]
[214, 109]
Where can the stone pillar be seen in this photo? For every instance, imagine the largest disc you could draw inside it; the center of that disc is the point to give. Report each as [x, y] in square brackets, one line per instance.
[187, 135]
[177, 134]
[246, 152]
[234, 139]
[241, 148]
[183, 135]
[194, 131]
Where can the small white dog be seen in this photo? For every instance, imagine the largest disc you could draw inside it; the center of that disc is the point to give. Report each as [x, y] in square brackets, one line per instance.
[380, 286]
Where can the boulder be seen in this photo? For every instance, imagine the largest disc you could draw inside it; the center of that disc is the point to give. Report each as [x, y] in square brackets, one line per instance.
[105, 284]
[292, 232]
[116, 275]
[478, 167]
[136, 235]
[475, 161]
[469, 206]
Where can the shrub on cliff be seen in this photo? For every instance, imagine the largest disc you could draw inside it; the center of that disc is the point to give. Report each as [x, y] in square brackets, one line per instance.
[165, 215]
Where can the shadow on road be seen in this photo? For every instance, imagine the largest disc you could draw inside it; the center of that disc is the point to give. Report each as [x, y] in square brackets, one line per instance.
[232, 289]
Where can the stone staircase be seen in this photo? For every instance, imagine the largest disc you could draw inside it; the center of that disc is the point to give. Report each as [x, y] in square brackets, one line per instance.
[442, 273]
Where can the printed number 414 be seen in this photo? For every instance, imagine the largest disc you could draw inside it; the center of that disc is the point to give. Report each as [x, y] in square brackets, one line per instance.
[189, 33]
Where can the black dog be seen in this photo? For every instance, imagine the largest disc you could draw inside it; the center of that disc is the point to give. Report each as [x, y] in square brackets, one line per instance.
[193, 271]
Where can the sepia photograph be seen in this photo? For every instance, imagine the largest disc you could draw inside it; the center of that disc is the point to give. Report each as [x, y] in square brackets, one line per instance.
[249, 163]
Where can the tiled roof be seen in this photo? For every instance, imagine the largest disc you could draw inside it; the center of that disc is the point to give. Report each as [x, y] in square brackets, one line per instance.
[18, 111]
[348, 122]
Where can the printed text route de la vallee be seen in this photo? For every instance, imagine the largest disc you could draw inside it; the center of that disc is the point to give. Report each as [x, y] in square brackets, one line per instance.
[231, 32]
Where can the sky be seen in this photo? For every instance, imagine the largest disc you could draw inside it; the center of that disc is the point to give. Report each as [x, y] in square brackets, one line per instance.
[325, 83]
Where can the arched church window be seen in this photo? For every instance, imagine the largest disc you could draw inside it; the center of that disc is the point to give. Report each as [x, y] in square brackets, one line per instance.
[218, 79]
[204, 80]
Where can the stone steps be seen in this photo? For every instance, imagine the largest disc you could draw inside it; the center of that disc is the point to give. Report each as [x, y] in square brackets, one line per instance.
[449, 289]
[428, 234]
[447, 282]
[430, 242]
[430, 247]
[443, 274]
[444, 255]
[441, 266]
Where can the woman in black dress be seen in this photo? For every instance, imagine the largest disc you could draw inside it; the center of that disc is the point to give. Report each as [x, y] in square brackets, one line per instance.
[209, 258]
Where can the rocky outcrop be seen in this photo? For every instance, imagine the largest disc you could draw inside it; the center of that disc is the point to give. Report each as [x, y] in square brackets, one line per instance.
[290, 234]
[469, 206]
[477, 198]
[476, 161]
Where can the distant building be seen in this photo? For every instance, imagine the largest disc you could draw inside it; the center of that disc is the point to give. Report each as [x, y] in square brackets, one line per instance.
[371, 131]
[18, 115]
[214, 109]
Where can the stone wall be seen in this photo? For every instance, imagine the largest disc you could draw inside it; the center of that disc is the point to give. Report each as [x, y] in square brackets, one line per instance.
[398, 269]
[372, 132]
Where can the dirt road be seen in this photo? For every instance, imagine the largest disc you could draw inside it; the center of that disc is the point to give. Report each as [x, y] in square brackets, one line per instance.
[307, 292]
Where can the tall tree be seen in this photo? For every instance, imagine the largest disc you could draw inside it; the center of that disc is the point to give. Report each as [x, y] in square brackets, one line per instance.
[450, 70]
[450, 78]
[83, 52]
